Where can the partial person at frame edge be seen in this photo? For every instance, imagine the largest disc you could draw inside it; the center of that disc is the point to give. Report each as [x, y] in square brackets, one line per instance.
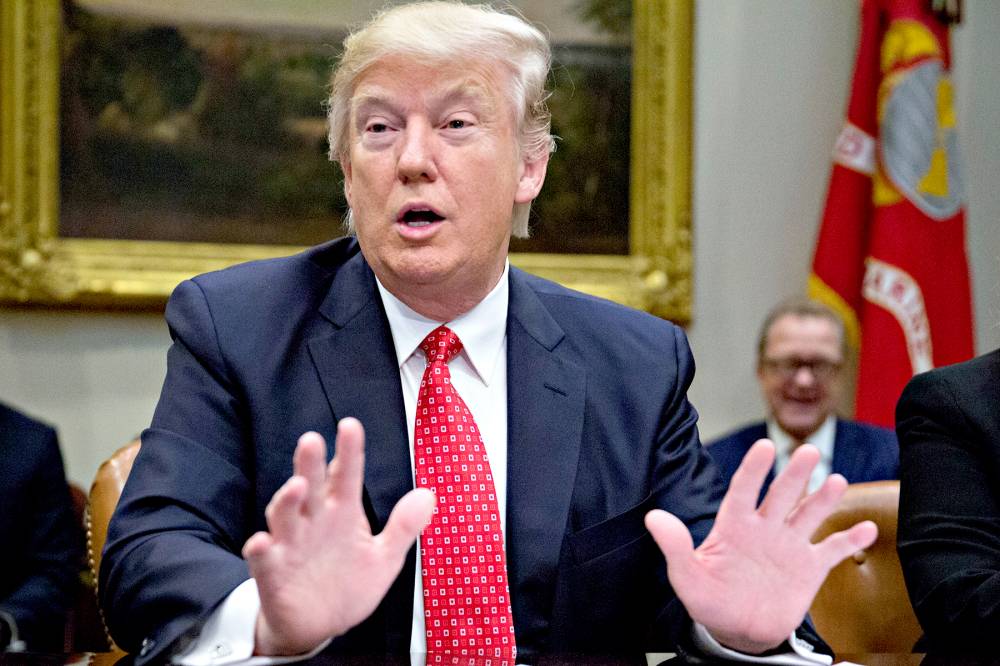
[948, 422]
[439, 123]
[801, 351]
[42, 547]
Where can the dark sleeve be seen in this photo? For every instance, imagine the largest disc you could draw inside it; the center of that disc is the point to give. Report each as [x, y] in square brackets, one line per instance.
[949, 516]
[173, 549]
[52, 559]
[688, 485]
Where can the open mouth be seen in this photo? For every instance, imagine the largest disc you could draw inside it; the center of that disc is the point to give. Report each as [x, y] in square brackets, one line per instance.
[420, 217]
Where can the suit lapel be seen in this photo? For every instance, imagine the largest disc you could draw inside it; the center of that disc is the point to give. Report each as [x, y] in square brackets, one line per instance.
[357, 366]
[546, 393]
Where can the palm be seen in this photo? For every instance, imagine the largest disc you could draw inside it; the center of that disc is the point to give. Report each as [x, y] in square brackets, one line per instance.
[320, 571]
[752, 580]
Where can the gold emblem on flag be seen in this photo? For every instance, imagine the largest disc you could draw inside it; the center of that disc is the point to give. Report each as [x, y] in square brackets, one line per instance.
[918, 144]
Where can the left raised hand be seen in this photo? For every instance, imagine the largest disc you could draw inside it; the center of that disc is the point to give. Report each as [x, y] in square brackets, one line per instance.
[754, 577]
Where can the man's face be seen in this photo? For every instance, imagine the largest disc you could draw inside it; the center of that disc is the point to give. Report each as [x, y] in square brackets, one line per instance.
[432, 176]
[799, 372]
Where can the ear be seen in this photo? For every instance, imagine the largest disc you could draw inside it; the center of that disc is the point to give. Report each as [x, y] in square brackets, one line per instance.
[530, 180]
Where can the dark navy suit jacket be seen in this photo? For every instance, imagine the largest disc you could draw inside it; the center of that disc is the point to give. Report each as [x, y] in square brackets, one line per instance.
[948, 422]
[42, 540]
[861, 452]
[599, 432]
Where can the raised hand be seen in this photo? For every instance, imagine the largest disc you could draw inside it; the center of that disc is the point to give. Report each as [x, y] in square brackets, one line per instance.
[319, 570]
[754, 577]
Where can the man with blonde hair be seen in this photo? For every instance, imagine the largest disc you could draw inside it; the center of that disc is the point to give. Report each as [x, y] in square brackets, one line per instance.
[526, 434]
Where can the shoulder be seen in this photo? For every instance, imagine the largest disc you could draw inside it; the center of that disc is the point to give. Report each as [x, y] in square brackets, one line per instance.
[624, 350]
[260, 293]
[865, 431]
[572, 303]
[596, 322]
[972, 382]
[26, 444]
[15, 426]
[738, 441]
[279, 277]
[962, 397]
[744, 436]
[728, 450]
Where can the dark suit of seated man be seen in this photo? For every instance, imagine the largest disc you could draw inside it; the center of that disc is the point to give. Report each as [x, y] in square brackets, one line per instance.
[40, 556]
[232, 540]
[800, 353]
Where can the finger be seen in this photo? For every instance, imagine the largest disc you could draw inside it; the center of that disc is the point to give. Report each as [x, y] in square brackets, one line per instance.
[674, 540]
[744, 488]
[408, 518]
[347, 469]
[815, 508]
[309, 462]
[256, 548]
[789, 486]
[839, 545]
[283, 512]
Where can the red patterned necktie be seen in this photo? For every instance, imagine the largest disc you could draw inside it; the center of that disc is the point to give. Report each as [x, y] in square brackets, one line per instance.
[464, 570]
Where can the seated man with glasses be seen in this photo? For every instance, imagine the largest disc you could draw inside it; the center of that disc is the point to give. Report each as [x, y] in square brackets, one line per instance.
[800, 355]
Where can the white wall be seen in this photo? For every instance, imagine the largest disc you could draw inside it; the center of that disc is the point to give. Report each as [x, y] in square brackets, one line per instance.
[771, 83]
[96, 377]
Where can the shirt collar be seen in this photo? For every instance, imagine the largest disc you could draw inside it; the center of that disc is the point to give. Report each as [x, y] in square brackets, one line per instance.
[482, 329]
[822, 439]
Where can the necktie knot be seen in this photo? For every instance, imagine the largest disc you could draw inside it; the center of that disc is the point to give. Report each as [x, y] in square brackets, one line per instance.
[441, 345]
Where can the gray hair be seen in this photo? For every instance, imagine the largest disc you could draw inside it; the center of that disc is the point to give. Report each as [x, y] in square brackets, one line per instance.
[441, 31]
[800, 307]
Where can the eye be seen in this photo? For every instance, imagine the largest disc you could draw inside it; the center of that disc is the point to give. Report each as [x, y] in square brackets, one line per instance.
[377, 128]
[457, 123]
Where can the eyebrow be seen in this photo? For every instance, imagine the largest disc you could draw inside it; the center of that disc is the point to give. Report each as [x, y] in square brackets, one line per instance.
[469, 90]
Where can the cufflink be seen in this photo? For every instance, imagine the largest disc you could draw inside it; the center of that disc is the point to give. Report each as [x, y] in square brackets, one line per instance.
[221, 650]
[147, 646]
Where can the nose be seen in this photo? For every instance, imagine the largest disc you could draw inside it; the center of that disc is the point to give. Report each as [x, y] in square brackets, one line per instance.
[804, 375]
[416, 159]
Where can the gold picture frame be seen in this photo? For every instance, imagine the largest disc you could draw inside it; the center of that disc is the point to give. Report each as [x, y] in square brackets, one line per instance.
[37, 266]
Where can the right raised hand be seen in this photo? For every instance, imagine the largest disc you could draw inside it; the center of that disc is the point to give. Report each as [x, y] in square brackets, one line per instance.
[319, 570]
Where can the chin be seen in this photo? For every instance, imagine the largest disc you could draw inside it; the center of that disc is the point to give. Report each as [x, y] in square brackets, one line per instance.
[800, 427]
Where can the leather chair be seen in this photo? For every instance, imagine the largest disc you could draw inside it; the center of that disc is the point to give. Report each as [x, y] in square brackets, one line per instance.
[863, 606]
[104, 493]
[84, 631]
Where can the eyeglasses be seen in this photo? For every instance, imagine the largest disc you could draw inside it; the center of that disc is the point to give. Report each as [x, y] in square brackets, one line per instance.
[787, 368]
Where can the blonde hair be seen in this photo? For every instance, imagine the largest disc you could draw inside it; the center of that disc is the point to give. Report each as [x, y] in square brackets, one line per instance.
[446, 31]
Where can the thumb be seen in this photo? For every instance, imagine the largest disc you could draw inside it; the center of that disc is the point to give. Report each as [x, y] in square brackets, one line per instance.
[673, 538]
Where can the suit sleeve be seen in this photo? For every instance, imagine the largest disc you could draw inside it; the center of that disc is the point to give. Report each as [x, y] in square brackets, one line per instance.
[173, 550]
[688, 485]
[53, 550]
[949, 517]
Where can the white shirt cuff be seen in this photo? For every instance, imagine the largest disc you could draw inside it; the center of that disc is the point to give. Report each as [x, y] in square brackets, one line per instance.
[228, 635]
[802, 653]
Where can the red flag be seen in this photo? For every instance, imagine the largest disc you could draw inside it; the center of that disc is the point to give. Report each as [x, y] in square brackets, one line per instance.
[890, 256]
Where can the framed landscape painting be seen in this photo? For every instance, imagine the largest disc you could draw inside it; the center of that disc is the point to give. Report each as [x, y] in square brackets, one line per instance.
[144, 144]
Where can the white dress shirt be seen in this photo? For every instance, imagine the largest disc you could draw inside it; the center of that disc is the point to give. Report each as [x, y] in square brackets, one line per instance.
[822, 439]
